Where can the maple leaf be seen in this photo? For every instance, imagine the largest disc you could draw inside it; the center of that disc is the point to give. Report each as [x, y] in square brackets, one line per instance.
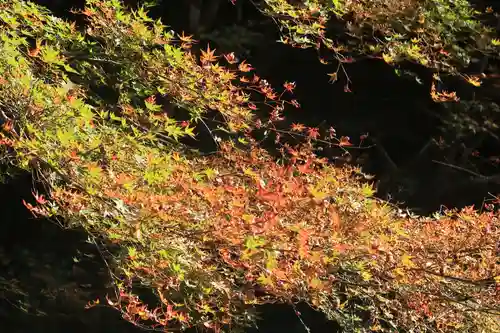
[332, 132]
[305, 167]
[387, 58]
[271, 95]
[151, 99]
[313, 132]
[333, 77]
[289, 86]
[323, 61]
[88, 12]
[28, 205]
[245, 67]
[39, 198]
[208, 55]
[231, 58]
[8, 126]
[186, 39]
[74, 155]
[473, 80]
[443, 52]
[297, 127]
[345, 141]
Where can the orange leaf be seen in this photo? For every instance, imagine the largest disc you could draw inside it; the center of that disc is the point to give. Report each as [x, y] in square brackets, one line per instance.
[208, 55]
[333, 77]
[344, 141]
[297, 127]
[313, 132]
[244, 67]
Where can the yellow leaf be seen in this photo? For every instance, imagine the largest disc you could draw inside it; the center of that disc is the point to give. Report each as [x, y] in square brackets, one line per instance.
[333, 77]
[265, 280]
[315, 283]
[406, 261]
[474, 81]
[387, 58]
[317, 194]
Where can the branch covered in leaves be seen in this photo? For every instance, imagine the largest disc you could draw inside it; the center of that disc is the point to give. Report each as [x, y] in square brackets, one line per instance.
[212, 236]
[441, 34]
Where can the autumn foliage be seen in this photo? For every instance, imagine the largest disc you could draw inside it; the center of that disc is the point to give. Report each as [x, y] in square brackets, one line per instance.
[214, 235]
[446, 36]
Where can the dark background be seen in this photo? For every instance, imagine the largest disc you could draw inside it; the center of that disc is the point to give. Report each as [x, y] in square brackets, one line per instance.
[42, 287]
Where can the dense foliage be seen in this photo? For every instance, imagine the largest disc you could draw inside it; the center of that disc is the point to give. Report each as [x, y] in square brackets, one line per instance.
[441, 34]
[212, 235]
[436, 33]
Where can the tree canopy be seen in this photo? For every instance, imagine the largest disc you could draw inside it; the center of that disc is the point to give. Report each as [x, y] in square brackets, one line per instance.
[214, 234]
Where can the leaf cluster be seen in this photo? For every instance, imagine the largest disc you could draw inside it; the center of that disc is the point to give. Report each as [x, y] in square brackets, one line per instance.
[212, 236]
[440, 34]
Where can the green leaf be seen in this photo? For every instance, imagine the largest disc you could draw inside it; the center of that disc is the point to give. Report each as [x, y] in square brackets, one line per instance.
[70, 69]
[211, 173]
[66, 137]
[264, 280]
[50, 55]
[242, 141]
[95, 172]
[367, 190]
[132, 252]
[189, 131]
[163, 254]
[253, 243]
[152, 106]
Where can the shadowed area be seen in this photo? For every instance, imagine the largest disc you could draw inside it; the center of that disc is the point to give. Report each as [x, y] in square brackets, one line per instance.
[47, 274]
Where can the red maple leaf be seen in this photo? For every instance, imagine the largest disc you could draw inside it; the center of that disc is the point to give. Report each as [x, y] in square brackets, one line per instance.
[313, 132]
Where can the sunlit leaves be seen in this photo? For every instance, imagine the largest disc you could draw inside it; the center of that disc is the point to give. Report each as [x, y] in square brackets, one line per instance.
[298, 127]
[387, 58]
[313, 132]
[192, 226]
[405, 30]
[345, 141]
[475, 81]
[252, 243]
[66, 137]
[333, 77]
[208, 56]
[50, 55]
[367, 190]
[495, 42]
[151, 105]
[94, 171]
[244, 67]
[406, 261]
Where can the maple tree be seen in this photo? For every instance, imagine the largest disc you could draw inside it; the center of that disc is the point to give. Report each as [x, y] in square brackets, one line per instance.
[443, 35]
[213, 235]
